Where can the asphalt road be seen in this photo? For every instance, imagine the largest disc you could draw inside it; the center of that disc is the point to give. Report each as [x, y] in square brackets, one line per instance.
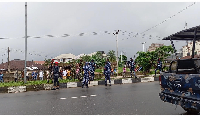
[128, 99]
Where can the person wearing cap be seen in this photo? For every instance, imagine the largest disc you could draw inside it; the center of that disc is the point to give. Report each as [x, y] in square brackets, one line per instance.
[86, 74]
[132, 67]
[56, 76]
[92, 69]
[159, 66]
[107, 71]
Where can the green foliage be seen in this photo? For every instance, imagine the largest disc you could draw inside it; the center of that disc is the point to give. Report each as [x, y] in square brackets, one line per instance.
[111, 55]
[47, 62]
[98, 70]
[149, 59]
[124, 59]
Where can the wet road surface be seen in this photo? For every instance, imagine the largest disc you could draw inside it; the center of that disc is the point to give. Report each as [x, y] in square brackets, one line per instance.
[128, 99]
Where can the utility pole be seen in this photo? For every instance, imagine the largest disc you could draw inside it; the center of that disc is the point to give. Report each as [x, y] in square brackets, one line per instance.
[8, 61]
[116, 33]
[186, 40]
[25, 41]
[121, 56]
[143, 45]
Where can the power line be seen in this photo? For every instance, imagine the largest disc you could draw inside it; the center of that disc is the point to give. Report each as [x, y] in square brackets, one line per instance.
[168, 18]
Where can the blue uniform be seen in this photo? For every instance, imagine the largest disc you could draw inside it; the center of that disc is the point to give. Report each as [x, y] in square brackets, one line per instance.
[107, 71]
[92, 70]
[1, 78]
[159, 66]
[132, 67]
[56, 75]
[86, 69]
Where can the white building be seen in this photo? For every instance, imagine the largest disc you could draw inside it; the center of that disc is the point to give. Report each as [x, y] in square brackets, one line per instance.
[154, 46]
[64, 58]
[67, 57]
[188, 48]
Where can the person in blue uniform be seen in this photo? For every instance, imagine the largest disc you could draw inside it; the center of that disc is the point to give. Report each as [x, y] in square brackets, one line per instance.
[159, 66]
[92, 69]
[86, 74]
[132, 67]
[56, 75]
[107, 72]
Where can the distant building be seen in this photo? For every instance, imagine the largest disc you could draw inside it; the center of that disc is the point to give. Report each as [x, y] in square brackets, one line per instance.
[187, 49]
[64, 58]
[19, 64]
[154, 46]
[67, 57]
[39, 62]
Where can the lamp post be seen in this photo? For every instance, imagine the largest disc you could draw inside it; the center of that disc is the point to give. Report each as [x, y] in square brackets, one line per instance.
[143, 45]
[25, 41]
[116, 33]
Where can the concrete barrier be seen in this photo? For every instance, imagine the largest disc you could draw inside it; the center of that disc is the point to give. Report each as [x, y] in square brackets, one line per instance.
[48, 86]
[71, 84]
[93, 83]
[147, 79]
[128, 80]
[16, 89]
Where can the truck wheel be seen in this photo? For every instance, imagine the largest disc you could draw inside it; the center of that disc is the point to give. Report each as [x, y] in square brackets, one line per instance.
[191, 110]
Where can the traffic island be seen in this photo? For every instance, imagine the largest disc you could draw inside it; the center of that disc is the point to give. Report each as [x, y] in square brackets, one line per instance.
[74, 84]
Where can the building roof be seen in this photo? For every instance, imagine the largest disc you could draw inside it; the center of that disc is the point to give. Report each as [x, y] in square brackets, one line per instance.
[189, 57]
[66, 56]
[39, 62]
[187, 34]
[19, 64]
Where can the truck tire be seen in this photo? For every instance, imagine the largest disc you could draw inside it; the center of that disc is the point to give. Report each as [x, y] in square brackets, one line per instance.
[191, 110]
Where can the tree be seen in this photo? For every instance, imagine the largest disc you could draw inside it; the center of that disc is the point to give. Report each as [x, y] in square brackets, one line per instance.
[124, 59]
[47, 62]
[86, 58]
[99, 59]
[149, 59]
[111, 55]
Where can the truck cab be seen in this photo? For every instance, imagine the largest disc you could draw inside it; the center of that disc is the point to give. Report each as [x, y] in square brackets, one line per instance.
[181, 84]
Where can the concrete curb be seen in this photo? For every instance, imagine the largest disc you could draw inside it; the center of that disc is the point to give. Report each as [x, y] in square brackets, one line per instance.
[71, 84]
[74, 84]
[127, 80]
[147, 79]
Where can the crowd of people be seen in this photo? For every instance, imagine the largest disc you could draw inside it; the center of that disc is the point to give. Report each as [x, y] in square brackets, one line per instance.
[85, 72]
[82, 71]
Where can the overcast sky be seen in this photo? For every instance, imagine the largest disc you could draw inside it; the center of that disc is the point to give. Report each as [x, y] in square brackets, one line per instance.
[59, 18]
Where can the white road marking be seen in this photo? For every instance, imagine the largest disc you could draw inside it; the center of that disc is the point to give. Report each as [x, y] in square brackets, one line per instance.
[73, 97]
[83, 96]
[63, 98]
[93, 95]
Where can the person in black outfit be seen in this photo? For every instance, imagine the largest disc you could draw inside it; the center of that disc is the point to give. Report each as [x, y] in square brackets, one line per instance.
[159, 66]
[56, 76]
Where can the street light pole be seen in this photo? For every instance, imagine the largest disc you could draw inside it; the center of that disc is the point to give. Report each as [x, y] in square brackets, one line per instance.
[25, 41]
[116, 33]
[143, 45]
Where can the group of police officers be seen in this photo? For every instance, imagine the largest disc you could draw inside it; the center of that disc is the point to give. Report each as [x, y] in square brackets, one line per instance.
[89, 69]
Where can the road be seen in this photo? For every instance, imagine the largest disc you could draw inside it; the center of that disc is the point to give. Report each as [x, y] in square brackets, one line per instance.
[124, 99]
